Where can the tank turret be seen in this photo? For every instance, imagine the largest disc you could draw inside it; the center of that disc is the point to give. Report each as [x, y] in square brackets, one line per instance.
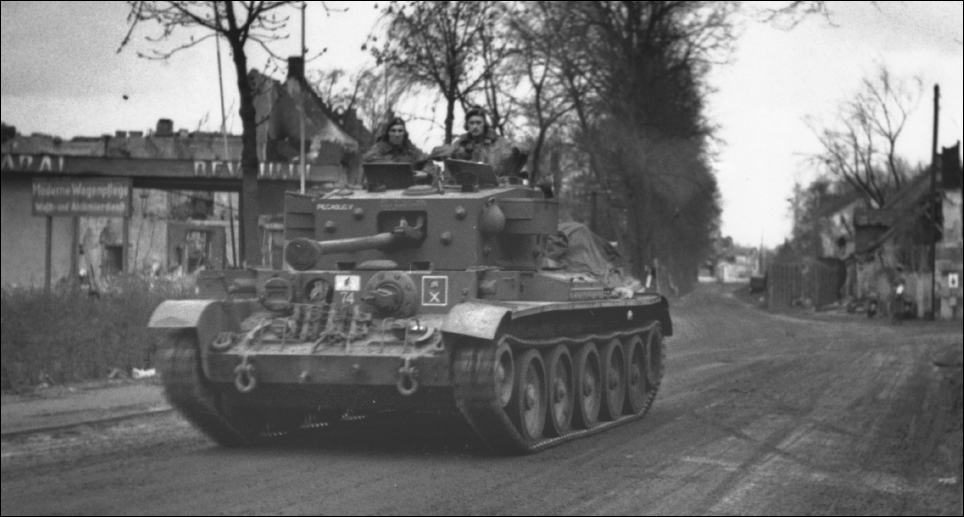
[503, 227]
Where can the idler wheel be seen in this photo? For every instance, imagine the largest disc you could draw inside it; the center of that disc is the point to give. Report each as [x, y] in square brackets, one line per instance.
[562, 392]
[613, 380]
[530, 399]
[588, 387]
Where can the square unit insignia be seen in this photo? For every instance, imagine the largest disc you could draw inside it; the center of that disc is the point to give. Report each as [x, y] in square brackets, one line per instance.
[350, 283]
[435, 291]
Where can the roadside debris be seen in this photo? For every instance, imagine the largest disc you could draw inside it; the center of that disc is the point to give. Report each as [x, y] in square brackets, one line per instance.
[144, 374]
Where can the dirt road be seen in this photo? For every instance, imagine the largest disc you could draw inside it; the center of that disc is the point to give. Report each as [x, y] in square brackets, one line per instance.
[759, 415]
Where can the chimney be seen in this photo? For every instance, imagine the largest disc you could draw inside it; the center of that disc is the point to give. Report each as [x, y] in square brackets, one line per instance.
[136, 134]
[296, 67]
[120, 134]
[165, 127]
[9, 132]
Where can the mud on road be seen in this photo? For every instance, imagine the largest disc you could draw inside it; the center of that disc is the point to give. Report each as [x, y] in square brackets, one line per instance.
[759, 415]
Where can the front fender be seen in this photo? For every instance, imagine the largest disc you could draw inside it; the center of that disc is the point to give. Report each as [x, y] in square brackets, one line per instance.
[476, 320]
[181, 314]
[208, 318]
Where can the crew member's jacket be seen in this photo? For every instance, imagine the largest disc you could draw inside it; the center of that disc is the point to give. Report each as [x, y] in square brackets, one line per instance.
[506, 157]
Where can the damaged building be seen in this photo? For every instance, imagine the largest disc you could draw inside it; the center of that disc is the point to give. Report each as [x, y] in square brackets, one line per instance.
[183, 213]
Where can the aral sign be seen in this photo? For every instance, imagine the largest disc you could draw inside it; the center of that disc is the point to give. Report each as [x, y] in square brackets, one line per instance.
[82, 197]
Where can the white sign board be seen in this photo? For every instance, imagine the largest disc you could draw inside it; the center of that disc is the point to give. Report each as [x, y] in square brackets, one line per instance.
[954, 281]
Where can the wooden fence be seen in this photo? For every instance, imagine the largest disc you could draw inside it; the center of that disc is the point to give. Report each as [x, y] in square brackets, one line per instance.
[811, 284]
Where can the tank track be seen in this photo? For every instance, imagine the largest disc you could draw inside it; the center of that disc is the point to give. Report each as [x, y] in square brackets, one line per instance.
[223, 420]
[477, 397]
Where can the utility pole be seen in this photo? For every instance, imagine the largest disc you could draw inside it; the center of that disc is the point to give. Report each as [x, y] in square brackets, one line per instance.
[935, 159]
[302, 81]
[227, 154]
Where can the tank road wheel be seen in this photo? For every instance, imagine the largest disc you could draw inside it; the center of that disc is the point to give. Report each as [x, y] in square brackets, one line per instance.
[613, 380]
[588, 387]
[225, 422]
[504, 374]
[637, 392]
[530, 397]
[655, 362]
[647, 356]
[561, 392]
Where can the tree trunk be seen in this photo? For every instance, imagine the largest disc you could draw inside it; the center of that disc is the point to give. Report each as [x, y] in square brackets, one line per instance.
[250, 233]
[537, 156]
[449, 118]
[555, 164]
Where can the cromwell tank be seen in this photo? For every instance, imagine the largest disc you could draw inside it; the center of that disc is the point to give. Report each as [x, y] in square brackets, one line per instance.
[416, 299]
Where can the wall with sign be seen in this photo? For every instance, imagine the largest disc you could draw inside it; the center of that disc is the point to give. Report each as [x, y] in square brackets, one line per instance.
[24, 237]
[99, 250]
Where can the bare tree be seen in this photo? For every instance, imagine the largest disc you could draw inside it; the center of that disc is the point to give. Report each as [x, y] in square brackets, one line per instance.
[240, 24]
[621, 85]
[787, 15]
[440, 45]
[374, 94]
[542, 30]
[860, 146]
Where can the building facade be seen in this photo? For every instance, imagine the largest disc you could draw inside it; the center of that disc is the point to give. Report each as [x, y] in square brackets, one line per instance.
[185, 205]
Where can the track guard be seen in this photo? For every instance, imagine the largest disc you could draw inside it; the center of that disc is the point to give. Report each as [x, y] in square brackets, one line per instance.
[476, 320]
[208, 318]
[660, 313]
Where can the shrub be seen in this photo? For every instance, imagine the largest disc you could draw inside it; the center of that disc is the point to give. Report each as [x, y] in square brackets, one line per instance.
[68, 336]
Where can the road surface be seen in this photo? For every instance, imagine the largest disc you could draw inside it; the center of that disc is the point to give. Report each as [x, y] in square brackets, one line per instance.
[759, 415]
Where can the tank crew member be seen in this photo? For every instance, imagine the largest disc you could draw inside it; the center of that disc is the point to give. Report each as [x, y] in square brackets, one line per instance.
[482, 144]
[394, 146]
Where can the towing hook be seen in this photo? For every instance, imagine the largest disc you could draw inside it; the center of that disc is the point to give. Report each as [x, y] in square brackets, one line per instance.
[407, 379]
[244, 379]
[224, 341]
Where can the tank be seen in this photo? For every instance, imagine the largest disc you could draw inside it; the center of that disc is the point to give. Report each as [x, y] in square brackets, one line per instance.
[421, 298]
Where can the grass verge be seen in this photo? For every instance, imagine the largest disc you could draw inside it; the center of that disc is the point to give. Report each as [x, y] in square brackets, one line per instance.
[67, 336]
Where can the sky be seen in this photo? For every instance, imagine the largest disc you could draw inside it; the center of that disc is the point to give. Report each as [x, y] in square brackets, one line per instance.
[62, 75]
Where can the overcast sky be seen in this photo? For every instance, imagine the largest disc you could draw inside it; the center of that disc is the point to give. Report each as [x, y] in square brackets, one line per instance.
[62, 75]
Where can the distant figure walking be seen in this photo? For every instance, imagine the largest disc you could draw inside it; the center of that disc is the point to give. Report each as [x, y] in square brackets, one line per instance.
[898, 303]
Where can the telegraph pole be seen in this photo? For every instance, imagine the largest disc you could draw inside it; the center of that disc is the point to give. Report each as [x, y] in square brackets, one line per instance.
[933, 199]
[227, 154]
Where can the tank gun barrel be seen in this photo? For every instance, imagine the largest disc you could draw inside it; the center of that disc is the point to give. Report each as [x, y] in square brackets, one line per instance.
[303, 254]
[382, 241]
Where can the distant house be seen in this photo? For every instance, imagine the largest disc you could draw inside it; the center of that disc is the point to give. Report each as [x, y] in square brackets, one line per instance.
[334, 142]
[896, 240]
[738, 265]
[836, 225]
[950, 253]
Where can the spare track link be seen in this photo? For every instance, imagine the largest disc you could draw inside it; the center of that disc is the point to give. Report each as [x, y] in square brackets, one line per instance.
[477, 397]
